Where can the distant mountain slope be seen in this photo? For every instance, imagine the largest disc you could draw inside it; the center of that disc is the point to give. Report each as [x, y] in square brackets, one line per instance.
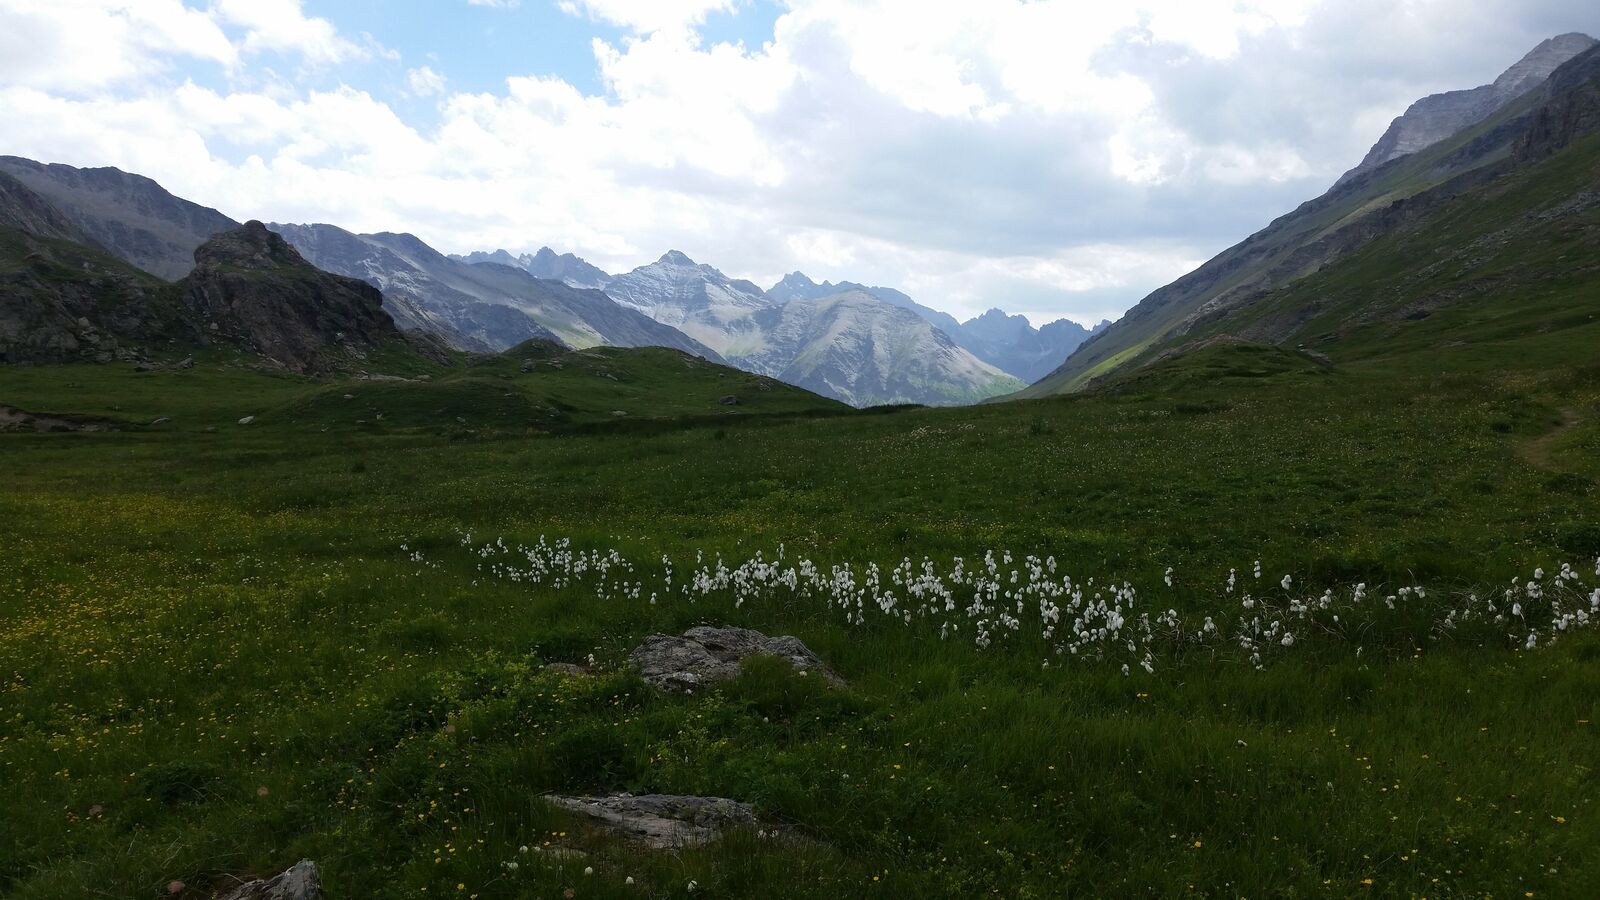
[490, 306]
[24, 210]
[1009, 343]
[697, 300]
[129, 215]
[565, 267]
[1012, 344]
[1320, 232]
[856, 347]
[1433, 119]
[848, 344]
[796, 286]
[1491, 235]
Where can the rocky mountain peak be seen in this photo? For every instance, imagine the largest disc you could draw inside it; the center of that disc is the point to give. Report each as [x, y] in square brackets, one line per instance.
[1436, 118]
[1533, 69]
[996, 314]
[251, 246]
[676, 258]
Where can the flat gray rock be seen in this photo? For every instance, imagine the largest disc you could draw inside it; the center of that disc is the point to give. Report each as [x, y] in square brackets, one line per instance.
[705, 655]
[300, 882]
[661, 821]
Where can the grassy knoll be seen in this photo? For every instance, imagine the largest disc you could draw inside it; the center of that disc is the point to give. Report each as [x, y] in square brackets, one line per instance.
[224, 648]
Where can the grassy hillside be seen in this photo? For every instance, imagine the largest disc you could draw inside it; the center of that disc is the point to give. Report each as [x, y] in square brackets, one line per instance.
[1259, 287]
[316, 636]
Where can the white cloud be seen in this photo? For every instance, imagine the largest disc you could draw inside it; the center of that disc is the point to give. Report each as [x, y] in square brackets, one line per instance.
[1050, 157]
[281, 25]
[647, 16]
[78, 45]
[425, 82]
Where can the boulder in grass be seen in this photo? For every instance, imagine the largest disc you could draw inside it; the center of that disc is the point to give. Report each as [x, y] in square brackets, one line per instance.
[300, 882]
[661, 821]
[705, 655]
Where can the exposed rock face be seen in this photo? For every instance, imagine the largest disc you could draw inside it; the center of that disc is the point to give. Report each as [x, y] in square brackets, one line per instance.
[129, 215]
[250, 288]
[487, 306]
[300, 882]
[661, 821]
[1433, 119]
[705, 655]
[65, 302]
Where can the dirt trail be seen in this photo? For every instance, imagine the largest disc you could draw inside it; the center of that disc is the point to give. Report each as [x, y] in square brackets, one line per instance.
[1536, 452]
[13, 419]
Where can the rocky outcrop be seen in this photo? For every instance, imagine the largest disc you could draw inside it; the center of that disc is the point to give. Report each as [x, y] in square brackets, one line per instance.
[301, 882]
[129, 215]
[706, 655]
[251, 289]
[65, 302]
[661, 821]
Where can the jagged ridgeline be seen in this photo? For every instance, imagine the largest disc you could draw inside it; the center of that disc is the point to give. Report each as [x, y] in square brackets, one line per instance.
[1485, 234]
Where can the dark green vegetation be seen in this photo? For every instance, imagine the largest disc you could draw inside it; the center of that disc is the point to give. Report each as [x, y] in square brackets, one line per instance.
[217, 657]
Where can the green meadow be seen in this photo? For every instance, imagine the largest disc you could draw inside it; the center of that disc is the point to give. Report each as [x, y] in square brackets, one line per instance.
[226, 647]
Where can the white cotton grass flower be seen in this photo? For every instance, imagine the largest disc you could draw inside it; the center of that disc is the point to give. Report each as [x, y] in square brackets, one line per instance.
[1008, 597]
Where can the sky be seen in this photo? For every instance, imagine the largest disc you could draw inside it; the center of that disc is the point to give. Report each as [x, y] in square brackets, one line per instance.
[1055, 158]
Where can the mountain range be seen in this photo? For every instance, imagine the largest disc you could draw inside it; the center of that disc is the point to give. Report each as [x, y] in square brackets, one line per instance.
[865, 346]
[487, 307]
[105, 264]
[1481, 224]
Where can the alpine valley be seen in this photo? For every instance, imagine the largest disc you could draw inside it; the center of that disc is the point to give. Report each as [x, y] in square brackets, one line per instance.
[333, 566]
